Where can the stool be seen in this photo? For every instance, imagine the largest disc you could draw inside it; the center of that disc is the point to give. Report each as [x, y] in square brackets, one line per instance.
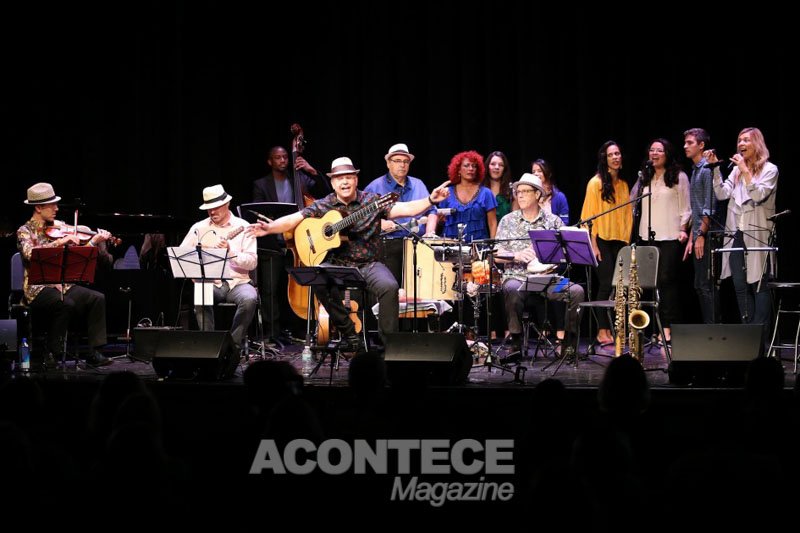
[777, 285]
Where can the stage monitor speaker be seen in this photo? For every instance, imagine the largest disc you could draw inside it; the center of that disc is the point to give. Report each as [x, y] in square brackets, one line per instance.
[195, 354]
[713, 354]
[419, 359]
[145, 341]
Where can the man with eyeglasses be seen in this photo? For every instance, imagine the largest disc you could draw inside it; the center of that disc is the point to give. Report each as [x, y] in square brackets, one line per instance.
[517, 254]
[398, 161]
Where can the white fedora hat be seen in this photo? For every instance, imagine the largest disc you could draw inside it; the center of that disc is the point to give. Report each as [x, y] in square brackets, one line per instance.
[529, 179]
[215, 196]
[399, 148]
[342, 165]
[41, 193]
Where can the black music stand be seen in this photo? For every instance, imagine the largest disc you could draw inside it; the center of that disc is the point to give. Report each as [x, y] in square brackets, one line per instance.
[253, 212]
[564, 246]
[200, 265]
[325, 275]
[62, 265]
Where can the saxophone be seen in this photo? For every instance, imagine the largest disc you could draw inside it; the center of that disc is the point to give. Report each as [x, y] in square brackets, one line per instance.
[619, 313]
[637, 319]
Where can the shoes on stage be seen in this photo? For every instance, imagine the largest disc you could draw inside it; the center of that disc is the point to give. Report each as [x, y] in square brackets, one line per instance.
[97, 359]
[352, 343]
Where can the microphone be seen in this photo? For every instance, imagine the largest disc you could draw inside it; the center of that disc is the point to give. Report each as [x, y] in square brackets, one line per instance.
[776, 215]
[412, 226]
[445, 211]
[649, 164]
[258, 215]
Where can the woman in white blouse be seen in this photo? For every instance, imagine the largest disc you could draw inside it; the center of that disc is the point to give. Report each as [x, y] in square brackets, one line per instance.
[750, 189]
[666, 213]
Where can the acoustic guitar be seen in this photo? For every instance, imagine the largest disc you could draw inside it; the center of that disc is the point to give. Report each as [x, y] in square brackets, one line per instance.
[323, 320]
[314, 237]
[211, 238]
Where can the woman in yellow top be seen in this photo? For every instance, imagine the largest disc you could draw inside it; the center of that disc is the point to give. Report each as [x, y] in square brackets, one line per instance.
[610, 232]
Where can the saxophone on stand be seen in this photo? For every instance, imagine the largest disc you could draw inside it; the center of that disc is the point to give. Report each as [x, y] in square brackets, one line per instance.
[637, 319]
[619, 312]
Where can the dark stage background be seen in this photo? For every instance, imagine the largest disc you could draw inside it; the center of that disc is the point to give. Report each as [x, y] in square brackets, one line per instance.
[135, 107]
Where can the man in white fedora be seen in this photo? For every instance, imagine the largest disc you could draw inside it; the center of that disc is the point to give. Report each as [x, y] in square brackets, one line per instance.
[223, 230]
[362, 249]
[520, 254]
[398, 162]
[59, 303]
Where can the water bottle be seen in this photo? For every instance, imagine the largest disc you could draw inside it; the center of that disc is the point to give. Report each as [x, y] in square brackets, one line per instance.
[25, 355]
[308, 361]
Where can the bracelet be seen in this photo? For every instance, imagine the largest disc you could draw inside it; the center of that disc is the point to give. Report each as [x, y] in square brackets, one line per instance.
[431, 201]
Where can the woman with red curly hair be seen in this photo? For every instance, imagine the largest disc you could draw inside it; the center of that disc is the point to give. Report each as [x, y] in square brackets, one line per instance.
[472, 204]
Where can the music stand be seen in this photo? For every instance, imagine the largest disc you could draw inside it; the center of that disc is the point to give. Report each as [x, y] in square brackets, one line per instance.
[325, 275]
[199, 265]
[569, 245]
[61, 265]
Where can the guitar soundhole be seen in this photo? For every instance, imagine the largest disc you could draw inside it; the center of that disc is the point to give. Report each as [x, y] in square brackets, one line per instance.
[327, 231]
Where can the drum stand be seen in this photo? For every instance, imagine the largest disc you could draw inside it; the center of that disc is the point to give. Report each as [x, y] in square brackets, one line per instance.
[492, 360]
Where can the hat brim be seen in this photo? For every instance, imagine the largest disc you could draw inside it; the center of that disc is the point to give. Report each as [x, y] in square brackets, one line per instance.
[515, 185]
[343, 172]
[390, 154]
[43, 202]
[212, 205]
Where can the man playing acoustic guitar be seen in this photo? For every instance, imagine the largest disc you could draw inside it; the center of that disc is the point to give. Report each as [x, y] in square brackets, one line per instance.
[362, 213]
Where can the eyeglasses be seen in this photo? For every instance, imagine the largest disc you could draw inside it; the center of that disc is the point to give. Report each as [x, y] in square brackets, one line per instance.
[400, 161]
[525, 192]
[656, 150]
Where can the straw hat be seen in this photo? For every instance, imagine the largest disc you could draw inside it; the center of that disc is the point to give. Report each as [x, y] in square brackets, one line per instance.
[215, 196]
[41, 193]
[342, 165]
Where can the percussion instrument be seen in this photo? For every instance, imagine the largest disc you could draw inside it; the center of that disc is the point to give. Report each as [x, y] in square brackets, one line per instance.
[435, 279]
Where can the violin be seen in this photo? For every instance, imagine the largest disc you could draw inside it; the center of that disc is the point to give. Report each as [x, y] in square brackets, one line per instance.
[60, 229]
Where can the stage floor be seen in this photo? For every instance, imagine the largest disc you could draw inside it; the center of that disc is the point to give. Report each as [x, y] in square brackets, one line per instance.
[587, 372]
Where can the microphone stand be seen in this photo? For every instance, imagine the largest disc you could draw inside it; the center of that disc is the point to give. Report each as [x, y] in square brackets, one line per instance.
[415, 239]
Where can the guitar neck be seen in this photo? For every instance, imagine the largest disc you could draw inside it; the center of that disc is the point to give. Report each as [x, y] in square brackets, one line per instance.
[352, 218]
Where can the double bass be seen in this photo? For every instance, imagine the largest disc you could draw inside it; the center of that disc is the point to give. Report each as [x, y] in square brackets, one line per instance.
[298, 295]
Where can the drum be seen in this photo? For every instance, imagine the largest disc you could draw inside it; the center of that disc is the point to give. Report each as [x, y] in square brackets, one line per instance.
[435, 279]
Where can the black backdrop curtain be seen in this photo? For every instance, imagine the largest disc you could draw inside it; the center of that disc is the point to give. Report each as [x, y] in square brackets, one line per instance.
[136, 106]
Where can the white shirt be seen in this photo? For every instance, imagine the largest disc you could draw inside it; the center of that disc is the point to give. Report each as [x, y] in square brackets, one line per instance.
[242, 252]
[671, 208]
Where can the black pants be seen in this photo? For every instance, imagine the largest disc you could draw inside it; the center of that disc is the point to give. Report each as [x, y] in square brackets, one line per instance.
[393, 258]
[669, 257]
[381, 284]
[57, 313]
[273, 281]
[605, 274]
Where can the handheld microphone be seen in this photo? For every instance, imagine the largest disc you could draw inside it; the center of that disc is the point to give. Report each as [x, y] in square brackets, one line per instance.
[716, 164]
[445, 211]
[776, 215]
